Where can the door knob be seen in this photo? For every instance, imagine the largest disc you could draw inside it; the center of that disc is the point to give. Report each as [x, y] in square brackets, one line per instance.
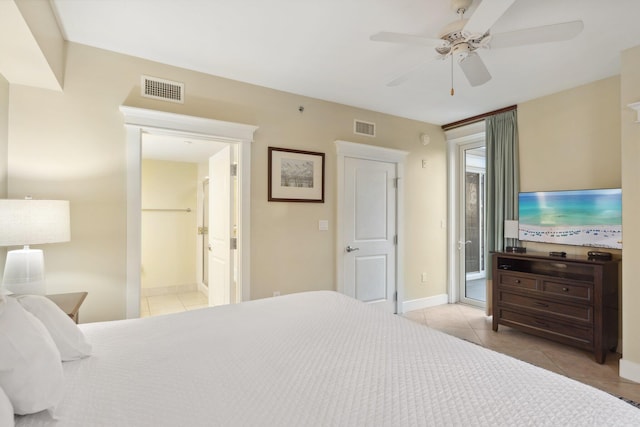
[460, 243]
[350, 249]
[210, 247]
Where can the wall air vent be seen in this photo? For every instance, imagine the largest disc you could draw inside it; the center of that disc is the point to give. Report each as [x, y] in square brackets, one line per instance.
[364, 128]
[165, 90]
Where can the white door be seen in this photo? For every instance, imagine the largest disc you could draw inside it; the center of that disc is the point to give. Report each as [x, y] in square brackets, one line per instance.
[472, 224]
[220, 226]
[369, 231]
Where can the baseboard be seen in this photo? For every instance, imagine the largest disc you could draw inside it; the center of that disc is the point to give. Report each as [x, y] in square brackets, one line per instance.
[417, 304]
[629, 370]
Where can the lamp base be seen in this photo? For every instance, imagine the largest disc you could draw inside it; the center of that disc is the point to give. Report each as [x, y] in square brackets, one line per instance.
[516, 249]
[24, 272]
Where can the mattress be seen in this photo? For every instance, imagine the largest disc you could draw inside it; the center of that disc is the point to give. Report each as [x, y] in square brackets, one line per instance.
[310, 359]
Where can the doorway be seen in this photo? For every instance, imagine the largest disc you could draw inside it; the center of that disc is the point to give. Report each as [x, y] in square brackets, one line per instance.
[370, 224]
[473, 278]
[139, 121]
[467, 214]
[175, 222]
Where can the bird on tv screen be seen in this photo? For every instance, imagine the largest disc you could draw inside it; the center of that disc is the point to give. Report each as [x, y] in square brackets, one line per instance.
[575, 217]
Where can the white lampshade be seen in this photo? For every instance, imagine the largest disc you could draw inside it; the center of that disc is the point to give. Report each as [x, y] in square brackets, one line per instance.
[511, 229]
[30, 222]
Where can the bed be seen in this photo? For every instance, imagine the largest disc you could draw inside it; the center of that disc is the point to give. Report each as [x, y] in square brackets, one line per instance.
[309, 359]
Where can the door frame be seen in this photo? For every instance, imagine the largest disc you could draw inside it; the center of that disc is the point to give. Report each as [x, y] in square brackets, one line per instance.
[455, 138]
[381, 154]
[140, 120]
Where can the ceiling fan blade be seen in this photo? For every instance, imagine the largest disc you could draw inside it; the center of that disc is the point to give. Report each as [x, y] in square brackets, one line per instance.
[402, 38]
[485, 15]
[407, 75]
[474, 69]
[543, 34]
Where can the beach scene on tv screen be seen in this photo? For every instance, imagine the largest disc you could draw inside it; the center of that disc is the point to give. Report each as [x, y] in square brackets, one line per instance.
[581, 217]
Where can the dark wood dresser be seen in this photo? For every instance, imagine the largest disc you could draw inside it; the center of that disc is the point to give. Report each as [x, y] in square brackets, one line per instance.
[572, 300]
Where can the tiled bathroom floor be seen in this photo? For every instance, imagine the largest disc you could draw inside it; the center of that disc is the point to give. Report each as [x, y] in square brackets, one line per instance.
[472, 325]
[172, 303]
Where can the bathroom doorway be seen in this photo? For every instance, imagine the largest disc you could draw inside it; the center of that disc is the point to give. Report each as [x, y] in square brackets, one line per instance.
[138, 121]
[175, 195]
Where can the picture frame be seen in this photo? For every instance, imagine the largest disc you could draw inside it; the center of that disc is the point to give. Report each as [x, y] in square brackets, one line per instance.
[295, 175]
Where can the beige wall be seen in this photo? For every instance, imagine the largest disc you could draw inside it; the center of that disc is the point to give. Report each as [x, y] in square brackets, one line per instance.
[77, 152]
[4, 134]
[570, 140]
[168, 238]
[42, 23]
[586, 137]
[630, 93]
[4, 137]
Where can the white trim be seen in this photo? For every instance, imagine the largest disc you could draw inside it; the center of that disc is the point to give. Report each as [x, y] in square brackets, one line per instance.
[371, 152]
[636, 106]
[420, 303]
[461, 133]
[138, 120]
[142, 117]
[629, 370]
[134, 221]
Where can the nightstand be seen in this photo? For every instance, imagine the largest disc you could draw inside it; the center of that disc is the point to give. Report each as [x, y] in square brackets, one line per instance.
[69, 303]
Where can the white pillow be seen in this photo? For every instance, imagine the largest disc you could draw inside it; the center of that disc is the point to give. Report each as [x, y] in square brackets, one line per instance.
[65, 333]
[30, 367]
[6, 410]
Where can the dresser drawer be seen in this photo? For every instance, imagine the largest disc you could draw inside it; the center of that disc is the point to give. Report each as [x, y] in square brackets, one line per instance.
[568, 291]
[559, 330]
[582, 313]
[514, 280]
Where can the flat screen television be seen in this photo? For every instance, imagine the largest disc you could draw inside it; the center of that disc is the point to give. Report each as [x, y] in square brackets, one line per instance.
[576, 217]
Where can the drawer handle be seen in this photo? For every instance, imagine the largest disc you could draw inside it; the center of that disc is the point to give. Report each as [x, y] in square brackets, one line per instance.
[565, 289]
[541, 323]
[541, 304]
[517, 280]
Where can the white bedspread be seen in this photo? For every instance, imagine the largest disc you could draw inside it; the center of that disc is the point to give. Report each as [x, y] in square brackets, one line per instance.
[316, 358]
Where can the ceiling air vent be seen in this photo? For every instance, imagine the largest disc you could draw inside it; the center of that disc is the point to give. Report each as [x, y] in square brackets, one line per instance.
[165, 90]
[364, 128]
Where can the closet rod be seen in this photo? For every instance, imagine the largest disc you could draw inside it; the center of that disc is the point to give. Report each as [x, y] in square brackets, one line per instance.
[168, 210]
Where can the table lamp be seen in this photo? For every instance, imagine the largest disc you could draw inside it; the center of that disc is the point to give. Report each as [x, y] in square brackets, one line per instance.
[511, 232]
[30, 222]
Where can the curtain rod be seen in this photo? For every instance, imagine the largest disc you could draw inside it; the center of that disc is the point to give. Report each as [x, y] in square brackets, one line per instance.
[477, 118]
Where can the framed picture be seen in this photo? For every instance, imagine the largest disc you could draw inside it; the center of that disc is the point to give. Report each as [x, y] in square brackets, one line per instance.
[296, 176]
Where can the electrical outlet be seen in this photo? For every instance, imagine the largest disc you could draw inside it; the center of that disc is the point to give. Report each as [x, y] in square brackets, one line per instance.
[423, 277]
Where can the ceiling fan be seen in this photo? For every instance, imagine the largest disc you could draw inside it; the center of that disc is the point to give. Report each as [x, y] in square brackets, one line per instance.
[462, 38]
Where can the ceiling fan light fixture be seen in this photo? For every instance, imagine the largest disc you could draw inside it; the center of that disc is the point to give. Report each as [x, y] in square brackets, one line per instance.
[443, 50]
[461, 51]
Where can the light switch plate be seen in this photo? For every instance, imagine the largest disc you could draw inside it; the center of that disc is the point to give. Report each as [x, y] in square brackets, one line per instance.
[323, 225]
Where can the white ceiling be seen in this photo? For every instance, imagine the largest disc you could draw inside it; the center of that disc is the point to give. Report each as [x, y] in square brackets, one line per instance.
[321, 48]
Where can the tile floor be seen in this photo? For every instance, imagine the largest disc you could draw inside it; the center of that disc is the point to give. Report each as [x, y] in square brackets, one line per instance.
[172, 303]
[472, 325]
